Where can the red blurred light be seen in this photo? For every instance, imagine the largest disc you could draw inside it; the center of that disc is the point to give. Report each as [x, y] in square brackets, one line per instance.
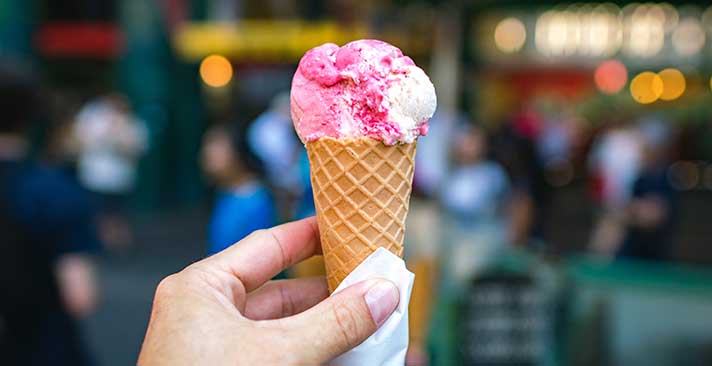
[610, 76]
[98, 40]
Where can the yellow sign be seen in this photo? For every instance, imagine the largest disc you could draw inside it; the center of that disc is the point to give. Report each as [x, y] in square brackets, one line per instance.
[285, 40]
[282, 40]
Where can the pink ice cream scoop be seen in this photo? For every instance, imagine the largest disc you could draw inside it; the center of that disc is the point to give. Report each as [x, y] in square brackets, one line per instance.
[366, 88]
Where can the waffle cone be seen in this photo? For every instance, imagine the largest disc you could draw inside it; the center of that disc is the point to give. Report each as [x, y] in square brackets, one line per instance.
[361, 193]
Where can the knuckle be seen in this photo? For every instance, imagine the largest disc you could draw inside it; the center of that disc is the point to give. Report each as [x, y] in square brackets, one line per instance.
[167, 287]
[347, 325]
[257, 234]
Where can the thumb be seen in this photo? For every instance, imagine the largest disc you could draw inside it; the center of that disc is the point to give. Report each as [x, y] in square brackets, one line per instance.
[343, 321]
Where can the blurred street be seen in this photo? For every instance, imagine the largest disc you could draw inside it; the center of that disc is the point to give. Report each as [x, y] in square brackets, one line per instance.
[163, 246]
[116, 330]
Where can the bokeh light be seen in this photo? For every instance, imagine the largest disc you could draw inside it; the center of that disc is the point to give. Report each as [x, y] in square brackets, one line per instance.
[707, 19]
[683, 175]
[689, 37]
[216, 71]
[672, 17]
[610, 76]
[601, 35]
[510, 35]
[644, 30]
[673, 84]
[580, 29]
[646, 87]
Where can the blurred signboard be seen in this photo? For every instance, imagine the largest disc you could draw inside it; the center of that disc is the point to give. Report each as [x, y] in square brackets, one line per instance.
[80, 39]
[273, 40]
[506, 320]
[580, 33]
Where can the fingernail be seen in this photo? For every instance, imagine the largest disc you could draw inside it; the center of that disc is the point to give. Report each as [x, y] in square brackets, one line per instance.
[382, 299]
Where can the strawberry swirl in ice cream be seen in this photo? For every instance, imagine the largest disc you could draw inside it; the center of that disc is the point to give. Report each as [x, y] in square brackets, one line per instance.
[366, 88]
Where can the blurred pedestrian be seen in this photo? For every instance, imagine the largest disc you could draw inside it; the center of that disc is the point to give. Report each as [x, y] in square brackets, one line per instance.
[474, 196]
[650, 213]
[514, 146]
[111, 141]
[273, 139]
[615, 159]
[244, 203]
[615, 164]
[47, 231]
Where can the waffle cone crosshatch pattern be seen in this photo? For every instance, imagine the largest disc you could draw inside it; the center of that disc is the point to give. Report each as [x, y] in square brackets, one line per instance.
[361, 192]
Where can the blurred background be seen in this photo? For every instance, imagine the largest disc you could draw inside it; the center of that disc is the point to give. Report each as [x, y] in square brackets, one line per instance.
[561, 199]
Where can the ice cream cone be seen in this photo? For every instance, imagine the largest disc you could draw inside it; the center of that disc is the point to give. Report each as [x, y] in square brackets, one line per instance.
[361, 192]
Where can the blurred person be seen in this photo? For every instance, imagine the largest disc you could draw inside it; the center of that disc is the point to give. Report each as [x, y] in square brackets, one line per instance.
[223, 310]
[272, 136]
[650, 213]
[514, 147]
[474, 196]
[244, 203]
[556, 142]
[615, 164]
[47, 277]
[431, 161]
[111, 140]
[615, 159]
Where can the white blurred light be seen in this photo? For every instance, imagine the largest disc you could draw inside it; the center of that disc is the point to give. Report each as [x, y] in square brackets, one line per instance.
[557, 34]
[644, 31]
[510, 35]
[689, 37]
[707, 19]
[657, 13]
[583, 29]
[573, 32]
[628, 9]
[603, 35]
[672, 17]
[541, 32]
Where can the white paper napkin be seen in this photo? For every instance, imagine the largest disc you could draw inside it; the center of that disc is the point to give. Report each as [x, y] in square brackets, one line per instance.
[386, 347]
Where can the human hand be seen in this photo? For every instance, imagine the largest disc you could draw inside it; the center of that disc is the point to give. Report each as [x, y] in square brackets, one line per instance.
[224, 311]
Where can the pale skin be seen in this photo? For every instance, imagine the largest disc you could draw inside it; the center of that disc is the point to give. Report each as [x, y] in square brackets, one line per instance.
[77, 283]
[223, 310]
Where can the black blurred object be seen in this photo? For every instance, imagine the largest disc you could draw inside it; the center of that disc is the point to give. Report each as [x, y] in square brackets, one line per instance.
[87, 10]
[517, 154]
[19, 98]
[504, 321]
[35, 329]
[27, 286]
[244, 151]
[651, 242]
[40, 220]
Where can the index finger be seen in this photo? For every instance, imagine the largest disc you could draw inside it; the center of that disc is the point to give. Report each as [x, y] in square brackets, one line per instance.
[264, 253]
